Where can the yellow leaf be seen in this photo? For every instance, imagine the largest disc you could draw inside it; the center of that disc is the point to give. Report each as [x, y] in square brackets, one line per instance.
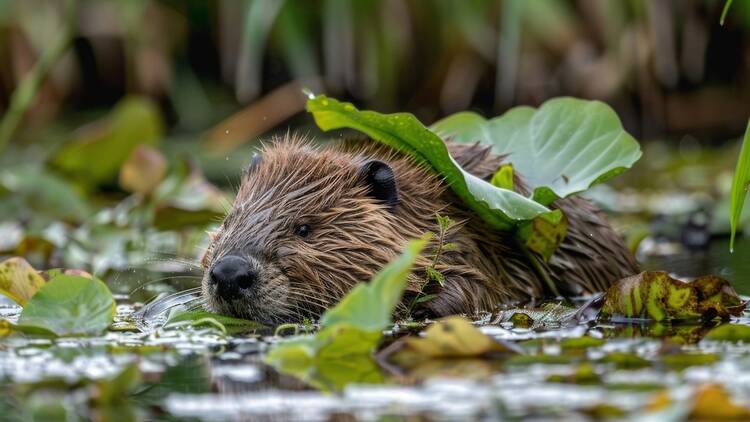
[712, 402]
[19, 280]
[544, 233]
[659, 402]
[453, 337]
[5, 328]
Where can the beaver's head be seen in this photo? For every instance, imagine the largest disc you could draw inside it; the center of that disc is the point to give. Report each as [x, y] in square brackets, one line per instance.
[307, 224]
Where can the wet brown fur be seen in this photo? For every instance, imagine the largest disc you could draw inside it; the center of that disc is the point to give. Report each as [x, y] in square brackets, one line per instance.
[353, 235]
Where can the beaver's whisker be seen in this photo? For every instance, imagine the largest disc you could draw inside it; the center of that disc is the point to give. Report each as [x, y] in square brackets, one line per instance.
[310, 301]
[172, 260]
[303, 294]
[161, 279]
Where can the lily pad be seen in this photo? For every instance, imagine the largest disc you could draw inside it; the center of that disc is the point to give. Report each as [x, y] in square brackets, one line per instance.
[580, 343]
[657, 296]
[502, 208]
[730, 332]
[580, 142]
[19, 280]
[680, 361]
[584, 374]
[70, 305]
[623, 360]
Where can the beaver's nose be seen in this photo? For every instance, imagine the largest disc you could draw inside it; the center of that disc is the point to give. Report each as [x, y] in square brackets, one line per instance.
[232, 273]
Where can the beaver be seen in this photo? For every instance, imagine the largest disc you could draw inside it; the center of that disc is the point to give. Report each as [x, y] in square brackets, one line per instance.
[310, 221]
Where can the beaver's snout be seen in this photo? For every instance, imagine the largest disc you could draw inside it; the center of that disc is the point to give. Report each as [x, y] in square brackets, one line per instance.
[232, 273]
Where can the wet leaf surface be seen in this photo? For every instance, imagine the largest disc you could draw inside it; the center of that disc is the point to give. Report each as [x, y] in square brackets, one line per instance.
[452, 337]
[730, 332]
[581, 143]
[225, 324]
[500, 207]
[657, 296]
[544, 233]
[18, 280]
[68, 305]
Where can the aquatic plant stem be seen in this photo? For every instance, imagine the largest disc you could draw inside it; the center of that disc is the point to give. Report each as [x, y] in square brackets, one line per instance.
[24, 95]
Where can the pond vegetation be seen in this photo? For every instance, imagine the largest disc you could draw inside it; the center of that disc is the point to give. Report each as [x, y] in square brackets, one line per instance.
[632, 351]
[102, 230]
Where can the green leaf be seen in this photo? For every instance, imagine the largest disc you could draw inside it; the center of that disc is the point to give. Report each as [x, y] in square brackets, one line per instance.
[580, 142]
[7, 328]
[98, 153]
[70, 305]
[724, 11]
[656, 295]
[740, 184]
[349, 331]
[226, 324]
[369, 306]
[444, 222]
[503, 178]
[186, 199]
[425, 298]
[501, 208]
[434, 275]
[544, 233]
[730, 332]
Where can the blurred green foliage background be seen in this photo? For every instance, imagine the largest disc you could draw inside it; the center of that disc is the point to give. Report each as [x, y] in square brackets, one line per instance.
[113, 111]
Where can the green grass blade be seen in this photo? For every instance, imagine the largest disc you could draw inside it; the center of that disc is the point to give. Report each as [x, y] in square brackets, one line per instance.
[739, 186]
[724, 12]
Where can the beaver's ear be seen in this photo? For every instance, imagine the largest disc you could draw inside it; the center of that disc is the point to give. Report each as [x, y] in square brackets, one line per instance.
[381, 181]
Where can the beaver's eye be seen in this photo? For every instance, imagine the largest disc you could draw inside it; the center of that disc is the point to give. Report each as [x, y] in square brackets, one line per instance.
[302, 230]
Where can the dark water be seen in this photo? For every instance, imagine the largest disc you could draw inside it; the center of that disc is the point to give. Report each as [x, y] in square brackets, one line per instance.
[716, 260]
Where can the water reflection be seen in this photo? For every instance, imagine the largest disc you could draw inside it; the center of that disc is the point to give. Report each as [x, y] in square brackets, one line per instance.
[716, 260]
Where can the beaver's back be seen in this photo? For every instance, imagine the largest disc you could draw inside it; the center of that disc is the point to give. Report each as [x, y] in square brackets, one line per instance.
[488, 267]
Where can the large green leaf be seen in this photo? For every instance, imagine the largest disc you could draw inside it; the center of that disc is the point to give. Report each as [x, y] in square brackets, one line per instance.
[562, 148]
[70, 305]
[351, 329]
[500, 207]
[740, 184]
